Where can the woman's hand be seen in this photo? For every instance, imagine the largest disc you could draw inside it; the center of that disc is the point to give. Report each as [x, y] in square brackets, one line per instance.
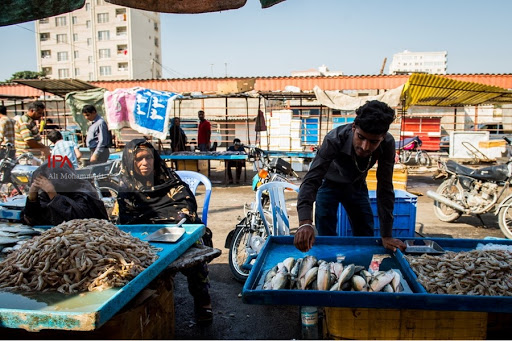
[46, 185]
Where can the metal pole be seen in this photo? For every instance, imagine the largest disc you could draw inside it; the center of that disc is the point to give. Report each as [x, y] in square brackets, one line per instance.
[247, 112]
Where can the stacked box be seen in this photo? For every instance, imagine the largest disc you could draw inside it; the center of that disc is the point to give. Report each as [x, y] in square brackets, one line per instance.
[404, 215]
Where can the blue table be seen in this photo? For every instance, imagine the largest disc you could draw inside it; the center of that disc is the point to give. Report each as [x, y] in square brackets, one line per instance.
[225, 156]
[88, 311]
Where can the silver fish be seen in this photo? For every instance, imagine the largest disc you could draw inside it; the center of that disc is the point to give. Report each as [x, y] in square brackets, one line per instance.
[387, 288]
[395, 282]
[336, 269]
[378, 282]
[309, 277]
[271, 273]
[8, 241]
[289, 263]
[359, 283]
[280, 280]
[346, 274]
[323, 278]
[307, 263]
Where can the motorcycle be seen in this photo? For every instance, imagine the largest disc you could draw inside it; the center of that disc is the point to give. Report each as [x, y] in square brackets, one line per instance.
[410, 148]
[104, 178]
[474, 191]
[249, 235]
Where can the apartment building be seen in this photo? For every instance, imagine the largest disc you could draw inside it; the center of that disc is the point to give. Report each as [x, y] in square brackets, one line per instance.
[428, 62]
[99, 42]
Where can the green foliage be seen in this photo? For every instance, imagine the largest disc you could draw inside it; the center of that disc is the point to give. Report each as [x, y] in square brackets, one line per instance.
[25, 75]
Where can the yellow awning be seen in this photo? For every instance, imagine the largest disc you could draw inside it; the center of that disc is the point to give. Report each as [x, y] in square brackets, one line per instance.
[433, 90]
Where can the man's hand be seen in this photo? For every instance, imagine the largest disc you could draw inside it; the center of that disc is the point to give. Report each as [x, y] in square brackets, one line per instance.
[392, 244]
[94, 158]
[32, 192]
[46, 152]
[304, 238]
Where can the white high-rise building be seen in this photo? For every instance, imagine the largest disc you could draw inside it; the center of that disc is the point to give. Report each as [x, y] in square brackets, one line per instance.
[100, 41]
[426, 62]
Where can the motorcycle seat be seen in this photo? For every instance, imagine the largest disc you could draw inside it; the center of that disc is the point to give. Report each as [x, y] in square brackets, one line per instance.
[491, 173]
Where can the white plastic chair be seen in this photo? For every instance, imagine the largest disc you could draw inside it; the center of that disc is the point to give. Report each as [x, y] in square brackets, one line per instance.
[193, 179]
[280, 224]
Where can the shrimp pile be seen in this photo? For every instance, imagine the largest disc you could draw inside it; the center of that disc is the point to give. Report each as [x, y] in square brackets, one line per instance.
[76, 256]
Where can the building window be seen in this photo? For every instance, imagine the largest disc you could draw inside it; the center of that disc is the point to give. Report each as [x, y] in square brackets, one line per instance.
[156, 26]
[102, 18]
[156, 41]
[88, 24]
[121, 31]
[44, 21]
[104, 53]
[60, 21]
[122, 66]
[62, 38]
[46, 54]
[89, 59]
[62, 56]
[76, 54]
[44, 36]
[120, 14]
[75, 36]
[122, 49]
[77, 72]
[91, 76]
[103, 35]
[105, 70]
[89, 41]
[74, 20]
[100, 2]
[87, 6]
[47, 71]
[63, 73]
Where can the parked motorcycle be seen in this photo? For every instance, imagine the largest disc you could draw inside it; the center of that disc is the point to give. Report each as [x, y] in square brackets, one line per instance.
[474, 191]
[14, 171]
[104, 178]
[249, 235]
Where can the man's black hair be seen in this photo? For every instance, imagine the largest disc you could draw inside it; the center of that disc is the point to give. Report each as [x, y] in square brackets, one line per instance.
[54, 135]
[374, 117]
[36, 105]
[88, 109]
[236, 140]
[3, 110]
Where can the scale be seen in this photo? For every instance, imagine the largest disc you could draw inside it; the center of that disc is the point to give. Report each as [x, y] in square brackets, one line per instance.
[428, 247]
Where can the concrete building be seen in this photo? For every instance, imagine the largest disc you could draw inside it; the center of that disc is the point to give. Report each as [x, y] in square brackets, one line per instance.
[98, 42]
[427, 62]
[321, 71]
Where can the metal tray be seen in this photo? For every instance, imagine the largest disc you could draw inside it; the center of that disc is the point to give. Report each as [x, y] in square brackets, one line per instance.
[429, 247]
[166, 235]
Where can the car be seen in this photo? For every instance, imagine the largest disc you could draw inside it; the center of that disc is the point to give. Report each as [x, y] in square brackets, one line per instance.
[444, 144]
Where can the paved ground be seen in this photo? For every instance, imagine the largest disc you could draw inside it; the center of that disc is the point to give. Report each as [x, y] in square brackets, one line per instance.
[236, 320]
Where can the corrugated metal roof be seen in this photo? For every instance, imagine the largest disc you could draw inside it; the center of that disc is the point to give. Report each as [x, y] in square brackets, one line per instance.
[59, 87]
[433, 90]
[272, 83]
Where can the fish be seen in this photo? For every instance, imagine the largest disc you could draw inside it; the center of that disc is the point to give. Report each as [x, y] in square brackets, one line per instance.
[395, 282]
[281, 268]
[359, 283]
[336, 269]
[289, 263]
[309, 277]
[308, 262]
[387, 288]
[378, 282]
[280, 280]
[19, 231]
[346, 274]
[8, 241]
[271, 273]
[323, 278]
[294, 272]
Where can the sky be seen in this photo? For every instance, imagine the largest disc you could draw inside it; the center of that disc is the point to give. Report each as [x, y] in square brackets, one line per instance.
[349, 36]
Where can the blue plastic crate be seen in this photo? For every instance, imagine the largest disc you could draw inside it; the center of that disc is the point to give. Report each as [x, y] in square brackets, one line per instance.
[404, 215]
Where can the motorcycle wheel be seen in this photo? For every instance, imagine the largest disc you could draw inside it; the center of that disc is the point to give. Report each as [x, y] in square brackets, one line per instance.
[109, 192]
[238, 254]
[505, 219]
[423, 159]
[452, 192]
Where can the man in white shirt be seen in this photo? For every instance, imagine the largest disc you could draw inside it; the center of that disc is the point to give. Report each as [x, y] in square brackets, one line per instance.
[64, 148]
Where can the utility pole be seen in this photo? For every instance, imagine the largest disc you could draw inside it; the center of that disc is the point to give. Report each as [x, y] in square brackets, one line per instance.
[383, 65]
[226, 69]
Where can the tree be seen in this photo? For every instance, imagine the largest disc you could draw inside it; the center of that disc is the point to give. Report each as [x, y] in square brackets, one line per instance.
[26, 75]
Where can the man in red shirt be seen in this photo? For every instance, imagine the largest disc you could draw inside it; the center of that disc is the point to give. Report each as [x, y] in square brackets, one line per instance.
[204, 131]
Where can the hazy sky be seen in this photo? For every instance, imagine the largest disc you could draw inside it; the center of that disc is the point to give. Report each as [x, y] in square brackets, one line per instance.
[349, 36]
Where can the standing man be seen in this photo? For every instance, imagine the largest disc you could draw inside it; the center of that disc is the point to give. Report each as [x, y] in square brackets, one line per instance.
[26, 133]
[6, 132]
[98, 137]
[204, 131]
[338, 174]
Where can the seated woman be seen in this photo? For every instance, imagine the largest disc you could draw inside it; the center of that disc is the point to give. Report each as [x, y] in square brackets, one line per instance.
[58, 195]
[152, 193]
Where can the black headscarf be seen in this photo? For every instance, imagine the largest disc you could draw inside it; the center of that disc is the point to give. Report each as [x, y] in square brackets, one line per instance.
[159, 199]
[76, 198]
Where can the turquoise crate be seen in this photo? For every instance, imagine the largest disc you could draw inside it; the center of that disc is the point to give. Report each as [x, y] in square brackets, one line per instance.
[404, 215]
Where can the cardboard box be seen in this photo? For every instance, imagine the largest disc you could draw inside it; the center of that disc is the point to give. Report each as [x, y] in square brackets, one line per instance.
[236, 86]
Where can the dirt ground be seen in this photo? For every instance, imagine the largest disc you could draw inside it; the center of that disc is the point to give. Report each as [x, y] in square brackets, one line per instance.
[236, 320]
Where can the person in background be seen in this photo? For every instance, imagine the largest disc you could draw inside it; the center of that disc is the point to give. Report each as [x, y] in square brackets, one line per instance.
[57, 195]
[177, 136]
[6, 133]
[338, 174]
[98, 136]
[64, 148]
[238, 164]
[151, 193]
[27, 138]
[204, 132]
